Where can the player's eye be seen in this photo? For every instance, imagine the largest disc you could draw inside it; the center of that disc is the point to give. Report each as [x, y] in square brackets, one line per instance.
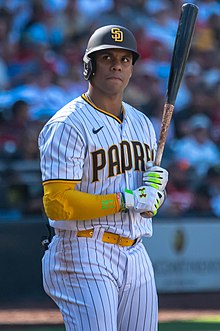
[126, 59]
[106, 57]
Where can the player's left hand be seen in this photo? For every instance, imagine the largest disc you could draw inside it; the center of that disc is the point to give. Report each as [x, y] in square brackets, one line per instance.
[155, 176]
[144, 198]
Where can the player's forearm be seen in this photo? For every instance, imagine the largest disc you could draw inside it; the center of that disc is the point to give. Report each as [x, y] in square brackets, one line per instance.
[62, 202]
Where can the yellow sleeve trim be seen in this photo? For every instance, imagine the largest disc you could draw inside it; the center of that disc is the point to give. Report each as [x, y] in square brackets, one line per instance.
[62, 202]
[61, 181]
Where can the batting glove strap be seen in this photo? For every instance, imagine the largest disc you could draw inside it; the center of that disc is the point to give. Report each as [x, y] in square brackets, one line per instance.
[121, 199]
[128, 198]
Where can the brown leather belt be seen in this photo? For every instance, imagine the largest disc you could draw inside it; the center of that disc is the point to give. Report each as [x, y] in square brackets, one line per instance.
[108, 237]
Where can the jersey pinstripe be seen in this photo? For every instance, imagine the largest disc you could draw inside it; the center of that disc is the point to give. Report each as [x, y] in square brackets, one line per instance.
[102, 154]
[100, 287]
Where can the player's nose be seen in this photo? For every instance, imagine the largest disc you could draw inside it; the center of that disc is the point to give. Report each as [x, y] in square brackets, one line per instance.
[116, 65]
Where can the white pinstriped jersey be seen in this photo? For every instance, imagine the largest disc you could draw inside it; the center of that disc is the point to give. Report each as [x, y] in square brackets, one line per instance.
[104, 154]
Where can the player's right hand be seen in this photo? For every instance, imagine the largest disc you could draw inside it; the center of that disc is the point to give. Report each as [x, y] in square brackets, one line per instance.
[144, 199]
[155, 176]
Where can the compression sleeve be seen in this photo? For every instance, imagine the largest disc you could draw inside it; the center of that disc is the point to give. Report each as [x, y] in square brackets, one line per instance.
[62, 202]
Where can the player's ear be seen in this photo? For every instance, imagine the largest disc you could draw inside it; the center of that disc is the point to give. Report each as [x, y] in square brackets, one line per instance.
[89, 67]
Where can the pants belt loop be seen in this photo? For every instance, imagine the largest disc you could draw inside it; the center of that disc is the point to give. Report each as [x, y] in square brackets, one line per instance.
[98, 233]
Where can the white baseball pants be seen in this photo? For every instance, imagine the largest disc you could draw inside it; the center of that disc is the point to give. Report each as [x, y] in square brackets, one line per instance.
[99, 286]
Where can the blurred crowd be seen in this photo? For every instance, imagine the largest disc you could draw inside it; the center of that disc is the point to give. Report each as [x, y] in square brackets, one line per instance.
[42, 43]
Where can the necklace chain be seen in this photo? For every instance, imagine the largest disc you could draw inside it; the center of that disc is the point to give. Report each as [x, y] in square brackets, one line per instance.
[88, 97]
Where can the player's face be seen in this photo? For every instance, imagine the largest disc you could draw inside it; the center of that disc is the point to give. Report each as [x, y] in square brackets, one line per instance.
[113, 70]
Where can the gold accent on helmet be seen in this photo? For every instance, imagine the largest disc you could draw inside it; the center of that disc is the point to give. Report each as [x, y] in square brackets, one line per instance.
[117, 34]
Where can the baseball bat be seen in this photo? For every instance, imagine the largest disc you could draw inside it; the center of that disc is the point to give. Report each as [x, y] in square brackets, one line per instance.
[181, 50]
[180, 54]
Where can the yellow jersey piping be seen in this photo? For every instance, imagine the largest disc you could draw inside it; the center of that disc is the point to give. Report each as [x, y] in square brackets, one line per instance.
[101, 110]
[74, 181]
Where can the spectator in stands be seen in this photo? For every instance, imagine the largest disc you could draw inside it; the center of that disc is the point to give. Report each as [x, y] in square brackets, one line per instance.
[4, 77]
[201, 204]
[40, 65]
[198, 149]
[11, 136]
[179, 190]
[30, 151]
[202, 102]
[212, 182]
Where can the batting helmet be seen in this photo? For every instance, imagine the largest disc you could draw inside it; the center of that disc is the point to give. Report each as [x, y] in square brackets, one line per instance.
[106, 37]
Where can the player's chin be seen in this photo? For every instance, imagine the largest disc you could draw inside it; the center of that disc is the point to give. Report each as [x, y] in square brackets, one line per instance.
[115, 85]
[115, 82]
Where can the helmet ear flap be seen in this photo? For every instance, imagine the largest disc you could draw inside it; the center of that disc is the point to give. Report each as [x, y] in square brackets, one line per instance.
[89, 67]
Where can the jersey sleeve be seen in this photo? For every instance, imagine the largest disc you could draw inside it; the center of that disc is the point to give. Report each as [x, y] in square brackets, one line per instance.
[62, 151]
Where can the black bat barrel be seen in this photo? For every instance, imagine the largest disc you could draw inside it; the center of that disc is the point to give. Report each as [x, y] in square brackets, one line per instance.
[181, 49]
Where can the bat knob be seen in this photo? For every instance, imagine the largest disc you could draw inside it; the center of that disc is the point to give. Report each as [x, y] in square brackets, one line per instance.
[147, 214]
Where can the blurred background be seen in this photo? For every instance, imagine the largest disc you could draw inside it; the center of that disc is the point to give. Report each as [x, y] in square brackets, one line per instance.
[42, 43]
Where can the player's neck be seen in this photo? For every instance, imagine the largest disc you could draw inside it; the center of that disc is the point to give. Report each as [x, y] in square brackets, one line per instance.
[111, 104]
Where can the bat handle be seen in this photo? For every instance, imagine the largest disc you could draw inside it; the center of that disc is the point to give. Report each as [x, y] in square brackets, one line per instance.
[165, 123]
[167, 115]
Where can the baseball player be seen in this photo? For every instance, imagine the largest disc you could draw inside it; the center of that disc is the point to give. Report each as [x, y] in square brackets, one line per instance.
[99, 185]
